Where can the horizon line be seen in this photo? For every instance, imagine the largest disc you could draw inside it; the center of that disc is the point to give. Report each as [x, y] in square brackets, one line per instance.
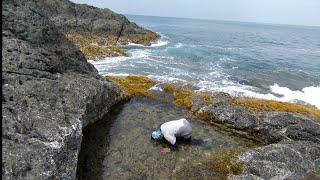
[205, 19]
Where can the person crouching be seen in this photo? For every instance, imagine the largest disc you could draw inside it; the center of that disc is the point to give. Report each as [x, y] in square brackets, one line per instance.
[171, 132]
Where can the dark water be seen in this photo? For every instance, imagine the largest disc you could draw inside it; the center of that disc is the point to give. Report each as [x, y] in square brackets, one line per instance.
[119, 146]
[245, 59]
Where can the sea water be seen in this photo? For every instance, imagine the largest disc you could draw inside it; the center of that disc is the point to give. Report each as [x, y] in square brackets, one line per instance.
[279, 62]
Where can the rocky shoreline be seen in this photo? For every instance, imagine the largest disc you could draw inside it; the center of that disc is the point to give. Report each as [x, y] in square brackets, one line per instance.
[288, 133]
[51, 92]
[97, 32]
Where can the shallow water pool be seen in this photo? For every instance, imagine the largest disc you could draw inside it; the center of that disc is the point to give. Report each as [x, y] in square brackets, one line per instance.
[119, 145]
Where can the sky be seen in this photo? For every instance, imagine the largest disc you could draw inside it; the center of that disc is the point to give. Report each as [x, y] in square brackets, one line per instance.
[294, 12]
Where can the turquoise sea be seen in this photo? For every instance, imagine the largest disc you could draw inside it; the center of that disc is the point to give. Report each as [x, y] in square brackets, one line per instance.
[280, 62]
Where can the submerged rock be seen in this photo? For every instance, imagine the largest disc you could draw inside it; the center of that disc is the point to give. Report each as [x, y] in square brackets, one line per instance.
[50, 92]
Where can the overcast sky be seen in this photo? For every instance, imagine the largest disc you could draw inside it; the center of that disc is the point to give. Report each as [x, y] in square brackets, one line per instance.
[297, 12]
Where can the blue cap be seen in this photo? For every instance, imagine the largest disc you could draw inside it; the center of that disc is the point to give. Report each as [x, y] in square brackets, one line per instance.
[157, 135]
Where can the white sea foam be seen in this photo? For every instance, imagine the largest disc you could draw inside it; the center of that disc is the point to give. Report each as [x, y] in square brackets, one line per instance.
[160, 42]
[109, 60]
[156, 88]
[166, 79]
[116, 74]
[134, 44]
[216, 74]
[310, 95]
[139, 53]
[178, 45]
[226, 59]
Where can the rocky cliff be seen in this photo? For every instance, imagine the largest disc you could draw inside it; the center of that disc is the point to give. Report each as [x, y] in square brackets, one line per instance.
[50, 92]
[87, 20]
[98, 32]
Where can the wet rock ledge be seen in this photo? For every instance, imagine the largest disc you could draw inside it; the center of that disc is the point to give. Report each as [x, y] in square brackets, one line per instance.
[288, 134]
[50, 92]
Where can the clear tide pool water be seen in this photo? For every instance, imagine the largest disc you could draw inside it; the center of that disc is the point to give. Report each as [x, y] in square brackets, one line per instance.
[279, 62]
[119, 146]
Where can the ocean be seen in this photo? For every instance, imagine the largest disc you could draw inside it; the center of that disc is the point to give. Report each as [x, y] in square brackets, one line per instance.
[278, 62]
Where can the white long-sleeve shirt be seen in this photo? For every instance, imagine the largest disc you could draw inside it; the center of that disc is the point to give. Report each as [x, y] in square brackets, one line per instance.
[176, 129]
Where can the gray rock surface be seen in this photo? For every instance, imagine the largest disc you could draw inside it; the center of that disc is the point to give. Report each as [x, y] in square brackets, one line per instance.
[276, 126]
[292, 141]
[271, 127]
[284, 160]
[86, 20]
[50, 92]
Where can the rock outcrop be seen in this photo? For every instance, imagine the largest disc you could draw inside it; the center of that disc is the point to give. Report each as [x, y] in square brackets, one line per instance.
[292, 141]
[97, 32]
[268, 127]
[88, 20]
[50, 92]
[284, 160]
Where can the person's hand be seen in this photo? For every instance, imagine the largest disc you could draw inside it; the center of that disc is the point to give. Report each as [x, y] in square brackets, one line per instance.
[165, 150]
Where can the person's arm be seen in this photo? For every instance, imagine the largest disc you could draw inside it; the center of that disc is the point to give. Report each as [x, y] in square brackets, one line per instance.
[171, 140]
[169, 148]
[173, 147]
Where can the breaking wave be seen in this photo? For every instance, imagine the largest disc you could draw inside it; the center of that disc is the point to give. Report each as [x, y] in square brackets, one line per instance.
[159, 43]
[310, 95]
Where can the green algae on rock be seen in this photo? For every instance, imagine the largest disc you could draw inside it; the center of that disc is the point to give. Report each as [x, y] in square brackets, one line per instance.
[260, 105]
[135, 86]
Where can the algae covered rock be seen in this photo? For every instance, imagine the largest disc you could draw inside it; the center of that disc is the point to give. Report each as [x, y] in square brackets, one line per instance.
[50, 92]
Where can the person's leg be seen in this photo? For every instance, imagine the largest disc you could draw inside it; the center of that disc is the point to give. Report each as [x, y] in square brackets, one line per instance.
[188, 139]
[184, 140]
